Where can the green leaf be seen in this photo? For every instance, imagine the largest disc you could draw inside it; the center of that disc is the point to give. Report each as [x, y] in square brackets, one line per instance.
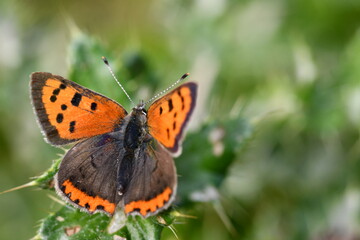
[70, 223]
[45, 180]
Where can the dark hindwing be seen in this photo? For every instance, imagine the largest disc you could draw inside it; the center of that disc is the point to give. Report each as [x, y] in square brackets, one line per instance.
[153, 184]
[87, 174]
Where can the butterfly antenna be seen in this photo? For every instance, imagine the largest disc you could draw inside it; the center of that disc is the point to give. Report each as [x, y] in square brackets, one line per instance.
[167, 89]
[112, 73]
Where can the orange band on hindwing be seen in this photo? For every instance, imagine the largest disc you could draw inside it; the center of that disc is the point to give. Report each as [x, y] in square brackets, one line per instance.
[84, 200]
[143, 207]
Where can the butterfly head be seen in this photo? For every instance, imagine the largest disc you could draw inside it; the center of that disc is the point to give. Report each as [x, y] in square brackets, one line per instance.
[138, 126]
[140, 113]
[140, 106]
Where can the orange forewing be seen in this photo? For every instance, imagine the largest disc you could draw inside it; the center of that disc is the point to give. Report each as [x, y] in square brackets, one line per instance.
[168, 116]
[68, 112]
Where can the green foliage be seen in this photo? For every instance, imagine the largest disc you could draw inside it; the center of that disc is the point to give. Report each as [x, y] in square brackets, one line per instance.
[68, 223]
[209, 153]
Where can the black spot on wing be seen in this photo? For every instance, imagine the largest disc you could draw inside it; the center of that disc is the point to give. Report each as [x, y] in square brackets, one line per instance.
[93, 162]
[93, 106]
[53, 98]
[182, 100]
[161, 110]
[76, 99]
[72, 126]
[136, 210]
[56, 91]
[82, 172]
[100, 207]
[171, 106]
[63, 107]
[59, 118]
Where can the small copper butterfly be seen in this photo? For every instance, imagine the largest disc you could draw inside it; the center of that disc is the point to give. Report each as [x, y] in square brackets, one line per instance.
[118, 158]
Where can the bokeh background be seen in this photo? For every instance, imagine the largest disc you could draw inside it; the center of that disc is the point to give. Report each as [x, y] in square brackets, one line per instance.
[290, 70]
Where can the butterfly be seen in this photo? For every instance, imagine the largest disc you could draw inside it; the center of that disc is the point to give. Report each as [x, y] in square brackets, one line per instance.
[118, 159]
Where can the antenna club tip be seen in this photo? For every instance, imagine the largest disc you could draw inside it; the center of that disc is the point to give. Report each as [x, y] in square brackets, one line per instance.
[185, 75]
[105, 60]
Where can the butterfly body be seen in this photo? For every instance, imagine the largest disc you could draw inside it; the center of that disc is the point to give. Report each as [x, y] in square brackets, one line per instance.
[119, 158]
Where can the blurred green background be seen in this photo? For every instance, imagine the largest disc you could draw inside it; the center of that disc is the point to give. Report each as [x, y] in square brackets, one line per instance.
[289, 69]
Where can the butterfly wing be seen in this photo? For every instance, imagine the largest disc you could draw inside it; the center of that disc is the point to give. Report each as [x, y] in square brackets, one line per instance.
[88, 172]
[87, 177]
[68, 112]
[168, 116]
[152, 187]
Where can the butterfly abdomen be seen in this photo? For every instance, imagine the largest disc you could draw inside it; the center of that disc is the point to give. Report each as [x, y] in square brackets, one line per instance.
[134, 135]
[125, 170]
